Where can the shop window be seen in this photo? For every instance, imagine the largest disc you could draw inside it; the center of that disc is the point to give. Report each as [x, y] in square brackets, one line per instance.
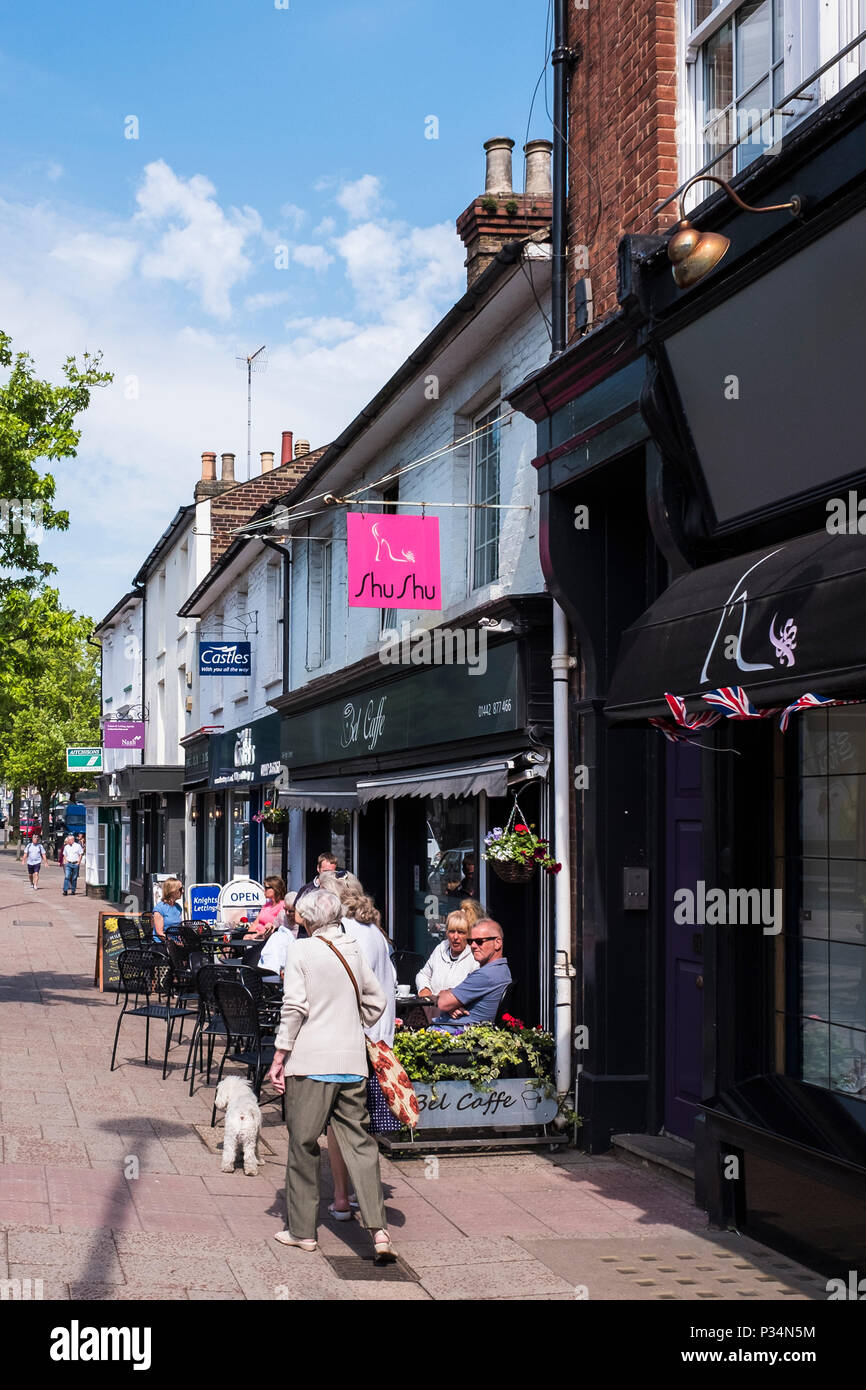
[211, 826]
[341, 838]
[452, 861]
[240, 834]
[485, 489]
[830, 1010]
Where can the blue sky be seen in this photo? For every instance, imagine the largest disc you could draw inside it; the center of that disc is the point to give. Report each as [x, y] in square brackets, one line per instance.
[258, 128]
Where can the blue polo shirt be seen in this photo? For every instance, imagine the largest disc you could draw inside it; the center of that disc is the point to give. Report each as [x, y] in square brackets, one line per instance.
[480, 993]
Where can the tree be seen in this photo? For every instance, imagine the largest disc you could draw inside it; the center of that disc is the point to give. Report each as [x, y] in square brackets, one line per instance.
[37, 421]
[49, 692]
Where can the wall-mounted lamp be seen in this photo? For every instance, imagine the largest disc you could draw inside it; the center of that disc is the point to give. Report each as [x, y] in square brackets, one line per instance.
[217, 812]
[193, 815]
[694, 254]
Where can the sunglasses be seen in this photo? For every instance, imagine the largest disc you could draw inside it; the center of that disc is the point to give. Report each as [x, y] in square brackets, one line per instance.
[479, 940]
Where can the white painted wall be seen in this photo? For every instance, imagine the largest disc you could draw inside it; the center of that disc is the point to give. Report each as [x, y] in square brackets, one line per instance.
[121, 675]
[170, 643]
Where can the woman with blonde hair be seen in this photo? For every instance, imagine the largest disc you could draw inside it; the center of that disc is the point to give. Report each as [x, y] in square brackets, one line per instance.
[474, 911]
[168, 914]
[451, 961]
[362, 921]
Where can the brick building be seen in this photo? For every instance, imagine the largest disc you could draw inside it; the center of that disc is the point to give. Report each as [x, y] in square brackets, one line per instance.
[701, 419]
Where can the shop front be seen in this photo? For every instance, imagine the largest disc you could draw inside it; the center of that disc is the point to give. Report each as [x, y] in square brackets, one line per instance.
[700, 464]
[401, 780]
[243, 768]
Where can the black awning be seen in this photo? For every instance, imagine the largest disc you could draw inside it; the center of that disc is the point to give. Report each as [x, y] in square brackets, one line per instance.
[326, 794]
[467, 779]
[779, 622]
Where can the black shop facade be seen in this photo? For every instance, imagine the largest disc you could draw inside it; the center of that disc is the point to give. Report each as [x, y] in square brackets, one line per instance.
[400, 773]
[701, 466]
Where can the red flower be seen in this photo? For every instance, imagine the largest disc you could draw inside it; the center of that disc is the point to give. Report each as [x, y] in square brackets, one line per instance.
[269, 803]
[522, 829]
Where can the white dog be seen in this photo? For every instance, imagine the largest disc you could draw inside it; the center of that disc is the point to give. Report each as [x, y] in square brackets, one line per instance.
[243, 1122]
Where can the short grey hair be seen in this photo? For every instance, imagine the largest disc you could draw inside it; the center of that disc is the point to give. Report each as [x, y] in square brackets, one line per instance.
[319, 909]
[489, 921]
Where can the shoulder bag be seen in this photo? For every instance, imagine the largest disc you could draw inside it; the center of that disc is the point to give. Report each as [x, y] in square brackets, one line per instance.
[396, 1086]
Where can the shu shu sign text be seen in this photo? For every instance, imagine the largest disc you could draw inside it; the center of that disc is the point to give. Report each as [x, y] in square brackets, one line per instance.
[393, 561]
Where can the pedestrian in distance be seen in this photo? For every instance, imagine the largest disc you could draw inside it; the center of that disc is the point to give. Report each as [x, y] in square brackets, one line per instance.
[35, 855]
[71, 860]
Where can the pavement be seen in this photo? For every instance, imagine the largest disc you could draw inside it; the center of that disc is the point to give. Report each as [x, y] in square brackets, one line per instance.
[110, 1183]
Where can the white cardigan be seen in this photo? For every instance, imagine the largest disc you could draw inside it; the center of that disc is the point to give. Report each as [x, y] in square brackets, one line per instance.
[374, 945]
[442, 971]
[320, 1026]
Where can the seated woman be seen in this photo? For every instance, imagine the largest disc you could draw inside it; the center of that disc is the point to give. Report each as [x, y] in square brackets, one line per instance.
[275, 952]
[273, 913]
[450, 962]
[168, 914]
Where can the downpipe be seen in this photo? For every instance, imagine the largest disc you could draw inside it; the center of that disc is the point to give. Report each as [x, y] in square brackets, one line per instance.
[563, 970]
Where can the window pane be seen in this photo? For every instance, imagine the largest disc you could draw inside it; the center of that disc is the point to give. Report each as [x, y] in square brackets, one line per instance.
[816, 1052]
[718, 71]
[848, 1061]
[814, 899]
[486, 489]
[846, 809]
[848, 984]
[753, 43]
[847, 883]
[754, 110]
[341, 838]
[451, 859]
[778, 29]
[701, 10]
[814, 984]
[813, 816]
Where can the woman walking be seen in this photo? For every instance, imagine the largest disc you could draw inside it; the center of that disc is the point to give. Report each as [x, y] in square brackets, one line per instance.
[361, 920]
[321, 1064]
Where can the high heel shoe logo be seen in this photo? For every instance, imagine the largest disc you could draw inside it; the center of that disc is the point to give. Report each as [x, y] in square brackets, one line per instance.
[382, 543]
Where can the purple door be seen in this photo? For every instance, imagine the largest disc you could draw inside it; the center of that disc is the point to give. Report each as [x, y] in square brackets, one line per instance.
[684, 944]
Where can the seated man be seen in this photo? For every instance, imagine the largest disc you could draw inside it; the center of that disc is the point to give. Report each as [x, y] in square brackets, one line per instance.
[476, 999]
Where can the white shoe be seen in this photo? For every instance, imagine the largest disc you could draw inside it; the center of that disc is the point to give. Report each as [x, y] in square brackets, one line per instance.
[286, 1238]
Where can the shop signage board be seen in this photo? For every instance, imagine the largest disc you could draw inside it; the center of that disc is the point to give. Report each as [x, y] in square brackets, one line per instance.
[81, 758]
[458, 1105]
[204, 901]
[123, 733]
[224, 658]
[242, 897]
[247, 755]
[393, 561]
[109, 944]
[435, 705]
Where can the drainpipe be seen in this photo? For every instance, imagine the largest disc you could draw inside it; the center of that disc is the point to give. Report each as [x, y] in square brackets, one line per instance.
[563, 59]
[563, 970]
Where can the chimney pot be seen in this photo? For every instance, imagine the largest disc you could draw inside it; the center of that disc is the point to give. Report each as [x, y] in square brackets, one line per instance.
[228, 468]
[538, 154]
[208, 467]
[498, 179]
[286, 449]
[267, 460]
[301, 448]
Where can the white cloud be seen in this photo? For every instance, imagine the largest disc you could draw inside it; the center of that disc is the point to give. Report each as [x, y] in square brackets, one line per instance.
[323, 330]
[203, 248]
[313, 257]
[54, 171]
[108, 259]
[293, 216]
[266, 300]
[362, 198]
[326, 227]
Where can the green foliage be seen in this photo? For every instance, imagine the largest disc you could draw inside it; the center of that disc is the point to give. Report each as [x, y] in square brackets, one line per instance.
[49, 690]
[512, 207]
[491, 1051]
[490, 204]
[37, 421]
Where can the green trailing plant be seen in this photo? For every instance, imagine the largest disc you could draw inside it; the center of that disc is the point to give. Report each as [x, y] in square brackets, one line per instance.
[427, 1055]
[512, 207]
[490, 204]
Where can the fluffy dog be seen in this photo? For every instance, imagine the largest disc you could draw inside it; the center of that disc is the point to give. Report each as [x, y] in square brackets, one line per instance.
[243, 1123]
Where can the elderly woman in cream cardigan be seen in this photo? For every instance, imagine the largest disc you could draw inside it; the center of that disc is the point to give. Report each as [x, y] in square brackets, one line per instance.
[321, 1063]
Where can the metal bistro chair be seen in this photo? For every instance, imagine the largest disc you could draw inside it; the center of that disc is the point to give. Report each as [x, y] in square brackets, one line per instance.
[245, 1039]
[135, 937]
[144, 973]
[407, 964]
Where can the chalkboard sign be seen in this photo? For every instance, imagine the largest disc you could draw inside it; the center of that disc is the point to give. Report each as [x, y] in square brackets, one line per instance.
[109, 945]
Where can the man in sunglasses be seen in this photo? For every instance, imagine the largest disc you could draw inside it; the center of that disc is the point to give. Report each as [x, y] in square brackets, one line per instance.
[476, 999]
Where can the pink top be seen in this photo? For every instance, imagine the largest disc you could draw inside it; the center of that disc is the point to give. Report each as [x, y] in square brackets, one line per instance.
[269, 915]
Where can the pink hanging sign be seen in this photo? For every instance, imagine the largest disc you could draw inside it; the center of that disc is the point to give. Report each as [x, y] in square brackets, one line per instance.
[123, 733]
[393, 561]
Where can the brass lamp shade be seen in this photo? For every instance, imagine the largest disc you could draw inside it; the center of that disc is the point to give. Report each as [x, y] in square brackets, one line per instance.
[694, 254]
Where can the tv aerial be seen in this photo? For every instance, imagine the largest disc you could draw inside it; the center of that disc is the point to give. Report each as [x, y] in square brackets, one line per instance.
[256, 362]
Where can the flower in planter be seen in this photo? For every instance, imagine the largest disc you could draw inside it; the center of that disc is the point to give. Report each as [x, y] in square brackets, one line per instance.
[519, 845]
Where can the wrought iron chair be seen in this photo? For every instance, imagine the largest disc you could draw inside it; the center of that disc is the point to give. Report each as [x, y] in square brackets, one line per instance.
[148, 974]
[245, 1039]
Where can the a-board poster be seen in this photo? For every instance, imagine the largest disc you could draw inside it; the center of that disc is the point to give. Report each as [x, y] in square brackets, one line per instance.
[109, 945]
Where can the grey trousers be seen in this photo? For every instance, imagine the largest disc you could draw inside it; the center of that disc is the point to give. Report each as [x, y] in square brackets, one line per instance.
[310, 1107]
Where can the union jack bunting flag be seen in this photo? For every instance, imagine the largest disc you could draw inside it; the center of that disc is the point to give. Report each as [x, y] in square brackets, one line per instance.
[809, 701]
[677, 707]
[735, 703]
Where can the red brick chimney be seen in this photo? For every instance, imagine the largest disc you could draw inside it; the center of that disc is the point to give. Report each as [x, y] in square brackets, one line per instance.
[286, 449]
[501, 215]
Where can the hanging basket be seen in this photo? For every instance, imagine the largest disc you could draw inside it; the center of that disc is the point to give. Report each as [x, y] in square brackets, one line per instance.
[510, 872]
[273, 827]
